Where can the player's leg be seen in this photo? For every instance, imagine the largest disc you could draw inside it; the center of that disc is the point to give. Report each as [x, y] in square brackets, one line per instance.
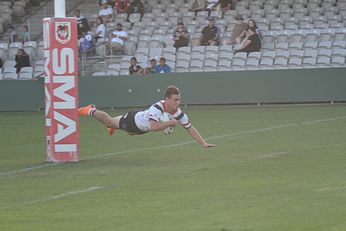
[100, 116]
[106, 119]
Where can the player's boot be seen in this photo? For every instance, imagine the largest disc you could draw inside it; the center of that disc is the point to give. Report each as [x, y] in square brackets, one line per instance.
[111, 131]
[87, 110]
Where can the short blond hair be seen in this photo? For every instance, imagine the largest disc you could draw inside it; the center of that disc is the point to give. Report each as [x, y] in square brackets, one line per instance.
[171, 90]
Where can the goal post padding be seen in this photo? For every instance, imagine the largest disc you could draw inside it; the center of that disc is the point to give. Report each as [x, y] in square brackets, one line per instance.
[61, 89]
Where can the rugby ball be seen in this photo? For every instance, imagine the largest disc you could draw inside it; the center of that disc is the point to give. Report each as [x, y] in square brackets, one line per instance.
[167, 117]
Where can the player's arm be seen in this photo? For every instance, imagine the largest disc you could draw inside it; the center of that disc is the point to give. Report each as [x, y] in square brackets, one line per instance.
[197, 136]
[185, 122]
[155, 113]
[160, 126]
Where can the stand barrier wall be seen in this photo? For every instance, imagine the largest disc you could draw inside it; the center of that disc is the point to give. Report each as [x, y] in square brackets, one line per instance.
[243, 87]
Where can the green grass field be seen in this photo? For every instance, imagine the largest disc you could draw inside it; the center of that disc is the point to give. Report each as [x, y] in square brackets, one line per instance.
[274, 168]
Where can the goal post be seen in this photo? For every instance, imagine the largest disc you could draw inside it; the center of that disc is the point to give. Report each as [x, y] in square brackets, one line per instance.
[61, 86]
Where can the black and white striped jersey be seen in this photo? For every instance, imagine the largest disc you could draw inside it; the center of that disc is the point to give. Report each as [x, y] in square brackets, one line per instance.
[154, 112]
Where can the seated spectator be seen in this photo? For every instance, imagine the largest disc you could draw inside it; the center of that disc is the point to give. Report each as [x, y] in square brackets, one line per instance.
[180, 21]
[22, 59]
[181, 36]
[251, 42]
[111, 3]
[106, 12]
[210, 35]
[23, 35]
[82, 23]
[135, 68]
[118, 39]
[162, 67]
[212, 4]
[86, 42]
[238, 31]
[12, 34]
[198, 5]
[250, 24]
[151, 68]
[100, 30]
[122, 6]
[136, 6]
[226, 5]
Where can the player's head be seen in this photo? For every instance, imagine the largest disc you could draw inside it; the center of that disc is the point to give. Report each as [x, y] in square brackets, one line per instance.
[172, 98]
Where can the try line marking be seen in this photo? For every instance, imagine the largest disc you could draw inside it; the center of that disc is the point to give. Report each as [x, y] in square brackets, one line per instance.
[178, 144]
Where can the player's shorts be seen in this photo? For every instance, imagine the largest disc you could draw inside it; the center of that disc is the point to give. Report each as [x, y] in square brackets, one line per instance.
[127, 123]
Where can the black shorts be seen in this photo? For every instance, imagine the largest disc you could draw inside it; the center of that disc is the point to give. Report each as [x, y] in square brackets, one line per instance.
[127, 123]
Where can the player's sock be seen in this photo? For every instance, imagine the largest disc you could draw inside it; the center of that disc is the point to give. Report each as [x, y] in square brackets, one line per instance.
[92, 111]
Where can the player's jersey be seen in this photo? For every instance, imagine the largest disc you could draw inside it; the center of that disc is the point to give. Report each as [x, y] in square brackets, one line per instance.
[154, 112]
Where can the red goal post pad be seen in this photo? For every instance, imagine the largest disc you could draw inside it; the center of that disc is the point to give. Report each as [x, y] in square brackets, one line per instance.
[61, 89]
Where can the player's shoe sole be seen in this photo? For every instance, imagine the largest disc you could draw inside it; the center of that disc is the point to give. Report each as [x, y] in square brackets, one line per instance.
[85, 111]
[111, 131]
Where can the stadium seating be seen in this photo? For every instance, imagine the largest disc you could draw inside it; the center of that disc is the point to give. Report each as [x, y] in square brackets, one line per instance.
[295, 34]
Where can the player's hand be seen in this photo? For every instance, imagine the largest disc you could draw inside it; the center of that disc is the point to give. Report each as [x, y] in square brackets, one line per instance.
[206, 145]
[173, 122]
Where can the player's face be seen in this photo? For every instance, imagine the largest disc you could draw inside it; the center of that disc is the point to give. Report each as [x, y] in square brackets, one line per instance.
[173, 102]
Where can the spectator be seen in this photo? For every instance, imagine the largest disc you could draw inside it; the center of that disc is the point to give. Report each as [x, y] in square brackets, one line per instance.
[0, 63]
[118, 39]
[238, 31]
[100, 30]
[180, 21]
[250, 24]
[106, 12]
[122, 6]
[181, 36]
[135, 68]
[109, 2]
[162, 67]
[151, 68]
[86, 42]
[12, 34]
[82, 23]
[210, 35]
[212, 4]
[251, 42]
[198, 5]
[22, 59]
[136, 6]
[225, 5]
[23, 35]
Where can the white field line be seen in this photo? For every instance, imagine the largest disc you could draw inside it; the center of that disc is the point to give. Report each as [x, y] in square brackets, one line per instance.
[331, 188]
[276, 154]
[57, 197]
[179, 144]
[26, 169]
